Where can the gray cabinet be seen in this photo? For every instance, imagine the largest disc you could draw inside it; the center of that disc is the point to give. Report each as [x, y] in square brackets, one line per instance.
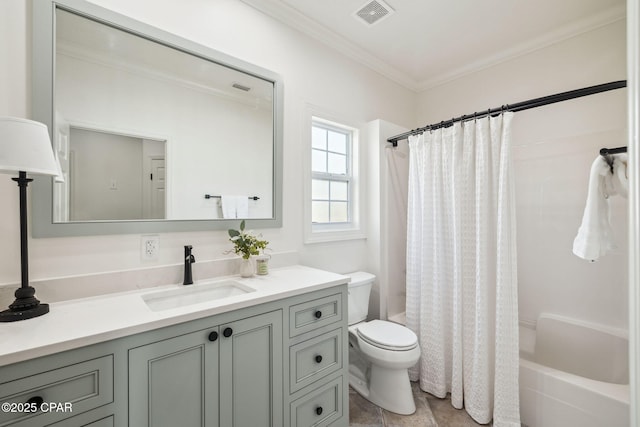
[251, 372]
[323, 406]
[227, 375]
[281, 363]
[55, 393]
[174, 382]
[318, 360]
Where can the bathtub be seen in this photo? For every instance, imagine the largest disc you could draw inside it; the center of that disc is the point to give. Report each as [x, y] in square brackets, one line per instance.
[573, 373]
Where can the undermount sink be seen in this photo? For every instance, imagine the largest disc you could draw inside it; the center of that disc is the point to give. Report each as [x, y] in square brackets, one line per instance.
[194, 294]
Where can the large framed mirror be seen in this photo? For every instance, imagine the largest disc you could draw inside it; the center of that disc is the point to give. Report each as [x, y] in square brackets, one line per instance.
[153, 132]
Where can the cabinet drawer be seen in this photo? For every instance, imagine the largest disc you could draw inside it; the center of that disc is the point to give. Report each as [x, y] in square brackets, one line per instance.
[66, 392]
[105, 422]
[80, 422]
[310, 315]
[319, 408]
[314, 358]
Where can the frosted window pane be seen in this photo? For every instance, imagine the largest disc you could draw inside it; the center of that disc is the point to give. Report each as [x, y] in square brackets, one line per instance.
[320, 211]
[319, 189]
[339, 191]
[337, 163]
[318, 161]
[339, 212]
[319, 138]
[338, 142]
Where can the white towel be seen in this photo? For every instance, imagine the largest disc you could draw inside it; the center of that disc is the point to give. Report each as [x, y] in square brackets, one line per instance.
[242, 207]
[235, 206]
[595, 236]
[620, 177]
[228, 204]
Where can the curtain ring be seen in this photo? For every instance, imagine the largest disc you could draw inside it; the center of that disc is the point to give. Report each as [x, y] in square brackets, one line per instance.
[475, 116]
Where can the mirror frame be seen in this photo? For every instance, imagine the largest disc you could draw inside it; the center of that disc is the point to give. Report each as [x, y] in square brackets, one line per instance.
[42, 96]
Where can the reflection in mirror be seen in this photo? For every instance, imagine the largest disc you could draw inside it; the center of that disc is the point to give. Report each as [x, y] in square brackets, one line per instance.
[110, 177]
[143, 131]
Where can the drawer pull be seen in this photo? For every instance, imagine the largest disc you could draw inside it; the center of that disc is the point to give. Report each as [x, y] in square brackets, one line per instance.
[227, 332]
[318, 359]
[319, 410]
[318, 314]
[213, 336]
[36, 400]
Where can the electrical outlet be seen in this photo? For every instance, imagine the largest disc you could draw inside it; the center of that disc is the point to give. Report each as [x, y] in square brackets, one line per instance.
[150, 247]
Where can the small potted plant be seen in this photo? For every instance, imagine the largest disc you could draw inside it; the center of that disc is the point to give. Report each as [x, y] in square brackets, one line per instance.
[246, 244]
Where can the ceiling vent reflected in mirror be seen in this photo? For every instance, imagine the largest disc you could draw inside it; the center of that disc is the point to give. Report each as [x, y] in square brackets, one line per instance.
[373, 12]
[241, 87]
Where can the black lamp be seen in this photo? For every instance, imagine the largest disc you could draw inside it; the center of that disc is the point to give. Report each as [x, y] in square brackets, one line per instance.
[25, 147]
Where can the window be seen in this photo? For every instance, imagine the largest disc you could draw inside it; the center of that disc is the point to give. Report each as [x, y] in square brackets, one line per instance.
[331, 175]
[333, 187]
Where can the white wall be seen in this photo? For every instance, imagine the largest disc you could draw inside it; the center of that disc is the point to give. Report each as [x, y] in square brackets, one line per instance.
[313, 74]
[106, 176]
[553, 150]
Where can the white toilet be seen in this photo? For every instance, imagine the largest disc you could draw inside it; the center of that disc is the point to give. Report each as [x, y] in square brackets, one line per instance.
[380, 352]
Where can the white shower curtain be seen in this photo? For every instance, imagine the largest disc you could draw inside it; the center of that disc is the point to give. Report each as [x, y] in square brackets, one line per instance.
[462, 299]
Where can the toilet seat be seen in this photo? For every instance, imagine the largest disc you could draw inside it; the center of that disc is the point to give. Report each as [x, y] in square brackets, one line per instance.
[387, 335]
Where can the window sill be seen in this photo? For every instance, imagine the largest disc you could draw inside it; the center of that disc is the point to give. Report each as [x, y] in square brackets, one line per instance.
[334, 236]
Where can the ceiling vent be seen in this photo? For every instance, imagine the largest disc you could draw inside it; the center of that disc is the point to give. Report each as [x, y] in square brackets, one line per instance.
[374, 11]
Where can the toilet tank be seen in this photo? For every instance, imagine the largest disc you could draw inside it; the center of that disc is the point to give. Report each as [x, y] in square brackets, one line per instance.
[359, 290]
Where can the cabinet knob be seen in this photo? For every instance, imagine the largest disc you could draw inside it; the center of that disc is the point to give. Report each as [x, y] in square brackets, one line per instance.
[318, 359]
[227, 332]
[213, 336]
[318, 314]
[37, 400]
[319, 410]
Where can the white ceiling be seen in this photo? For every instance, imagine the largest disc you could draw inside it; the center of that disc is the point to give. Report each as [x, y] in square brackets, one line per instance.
[427, 42]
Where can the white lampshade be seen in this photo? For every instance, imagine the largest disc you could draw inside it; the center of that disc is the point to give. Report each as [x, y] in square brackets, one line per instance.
[25, 146]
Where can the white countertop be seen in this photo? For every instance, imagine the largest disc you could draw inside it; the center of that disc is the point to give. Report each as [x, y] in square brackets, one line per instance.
[81, 322]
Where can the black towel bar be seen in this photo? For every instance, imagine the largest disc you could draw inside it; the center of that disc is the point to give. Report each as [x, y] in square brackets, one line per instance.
[608, 152]
[208, 196]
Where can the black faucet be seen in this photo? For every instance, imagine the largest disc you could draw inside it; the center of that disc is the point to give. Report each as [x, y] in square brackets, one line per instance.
[188, 260]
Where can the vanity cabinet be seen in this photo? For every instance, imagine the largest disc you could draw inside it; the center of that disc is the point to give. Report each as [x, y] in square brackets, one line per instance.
[278, 363]
[318, 361]
[72, 389]
[224, 375]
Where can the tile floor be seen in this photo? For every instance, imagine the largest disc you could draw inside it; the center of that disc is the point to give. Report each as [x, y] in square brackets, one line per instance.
[430, 412]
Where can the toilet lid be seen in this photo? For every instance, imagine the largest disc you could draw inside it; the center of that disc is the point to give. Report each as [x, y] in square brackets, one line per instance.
[388, 335]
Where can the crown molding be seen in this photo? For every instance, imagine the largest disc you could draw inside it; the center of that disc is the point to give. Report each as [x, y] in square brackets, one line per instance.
[566, 32]
[293, 18]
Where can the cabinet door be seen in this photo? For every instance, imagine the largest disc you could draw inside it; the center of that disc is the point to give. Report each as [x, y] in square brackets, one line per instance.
[175, 382]
[251, 372]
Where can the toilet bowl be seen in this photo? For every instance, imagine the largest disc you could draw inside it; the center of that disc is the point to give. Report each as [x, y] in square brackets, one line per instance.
[380, 352]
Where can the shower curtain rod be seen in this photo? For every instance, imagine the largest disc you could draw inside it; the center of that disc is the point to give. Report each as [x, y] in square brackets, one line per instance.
[520, 106]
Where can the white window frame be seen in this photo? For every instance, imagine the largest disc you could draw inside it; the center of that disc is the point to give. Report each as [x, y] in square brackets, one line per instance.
[354, 228]
[332, 177]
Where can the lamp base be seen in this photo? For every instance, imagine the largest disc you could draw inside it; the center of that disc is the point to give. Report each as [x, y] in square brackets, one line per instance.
[26, 306]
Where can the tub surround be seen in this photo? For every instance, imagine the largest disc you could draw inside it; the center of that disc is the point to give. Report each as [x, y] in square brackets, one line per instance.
[81, 322]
